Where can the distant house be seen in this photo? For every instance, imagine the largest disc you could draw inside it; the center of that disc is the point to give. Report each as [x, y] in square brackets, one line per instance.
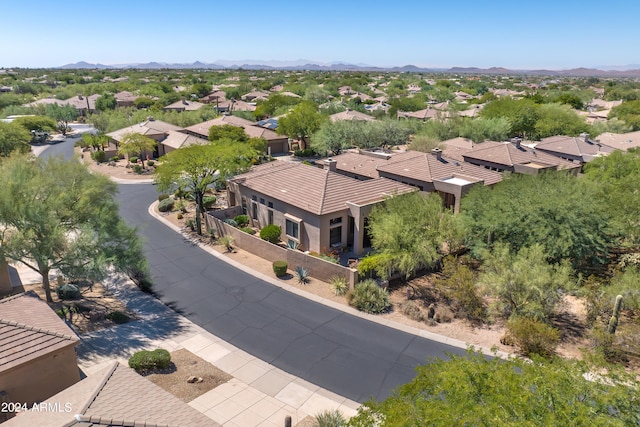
[516, 157]
[154, 129]
[620, 141]
[276, 143]
[125, 99]
[428, 172]
[350, 114]
[317, 209]
[84, 104]
[256, 95]
[114, 396]
[426, 114]
[37, 350]
[581, 148]
[176, 139]
[214, 97]
[184, 105]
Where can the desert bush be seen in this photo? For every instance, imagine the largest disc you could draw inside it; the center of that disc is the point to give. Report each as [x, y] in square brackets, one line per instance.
[68, 291]
[231, 222]
[161, 197]
[330, 419]
[191, 224]
[242, 220]
[532, 336]
[412, 311]
[133, 159]
[457, 284]
[271, 233]
[307, 152]
[181, 205]
[118, 317]
[443, 315]
[137, 168]
[302, 274]
[339, 285]
[166, 205]
[98, 156]
[279, 268]
[144, 360]
[209, 201]
[114, 159]
[151, 162]
[248, 230]
[367, 296]
[227, 242]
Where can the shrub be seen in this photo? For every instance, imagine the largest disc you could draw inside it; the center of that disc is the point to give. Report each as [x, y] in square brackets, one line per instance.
[412, 311]
[68, 291]
[180, 215]
[191, 224]
[144, 360]
[181, 205]
[303, 275]
[166, 205]
[271, 233]
[330, 419]
[458, 286]
[242, 220]
[114, 159]
[99, 156]
[133, 159]
[231, 222]
[248, 230]
[150, 162]
[443, 315]
[137, 168]
[280, 268]
[118, 317]
[532, 336]
[307, 152]
[339, 285]
[329, 258]
[161, 197]
[226, 241]
[209, 201]
[367, 296]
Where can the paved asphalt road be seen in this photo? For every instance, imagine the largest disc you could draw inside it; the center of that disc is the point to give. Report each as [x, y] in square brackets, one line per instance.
[342, 353]
[339, 352]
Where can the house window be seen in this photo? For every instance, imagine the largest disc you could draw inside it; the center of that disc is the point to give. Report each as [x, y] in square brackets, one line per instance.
[270, 205]
[270, 216]
[254, 210]
[292, 229]
[261, 201]
[334, 221]
[335, 236]
[254, 198]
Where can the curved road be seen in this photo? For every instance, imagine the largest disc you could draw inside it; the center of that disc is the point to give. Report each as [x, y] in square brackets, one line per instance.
[348, 355]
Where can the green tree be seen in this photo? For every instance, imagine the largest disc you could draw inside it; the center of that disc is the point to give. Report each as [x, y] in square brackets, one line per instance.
[301, 122]
[235, 133]
[554, 209]
[106, 102]
[135, 144]
[409, 230]
[13, 138]
[201, 89]
[556, 119]
[196, 167]
[475, 390]
[629, 112]
[55, 214]
[522, 114]
[525, 284]
[63, 115]
[36, 123]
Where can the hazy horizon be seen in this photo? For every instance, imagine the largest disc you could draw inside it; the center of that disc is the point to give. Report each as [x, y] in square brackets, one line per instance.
[540, 35]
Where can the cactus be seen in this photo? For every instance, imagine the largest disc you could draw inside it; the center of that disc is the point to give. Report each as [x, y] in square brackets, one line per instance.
[613, 322]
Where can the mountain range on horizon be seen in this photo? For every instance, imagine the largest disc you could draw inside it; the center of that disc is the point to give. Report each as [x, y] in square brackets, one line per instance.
[632, 70]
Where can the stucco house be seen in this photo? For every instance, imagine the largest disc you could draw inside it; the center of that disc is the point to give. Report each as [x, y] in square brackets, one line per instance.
[37, 350]
[350, 114]
[581, 148]
[176, 139]
[184, 105]
[620, 141]
[317, 209]
[154, 129]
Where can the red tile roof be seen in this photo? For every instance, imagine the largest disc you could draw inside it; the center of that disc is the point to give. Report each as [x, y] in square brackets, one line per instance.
[29, 329]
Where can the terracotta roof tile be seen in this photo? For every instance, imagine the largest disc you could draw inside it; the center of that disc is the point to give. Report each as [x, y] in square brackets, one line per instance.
[29, 328]
[573, 146]
[351, 115]
[507, 154]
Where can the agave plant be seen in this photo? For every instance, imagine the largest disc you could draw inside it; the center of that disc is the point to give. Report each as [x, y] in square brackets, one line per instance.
[303, 275]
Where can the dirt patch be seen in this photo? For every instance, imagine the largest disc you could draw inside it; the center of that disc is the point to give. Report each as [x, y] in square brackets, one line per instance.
[91, 311]
[185, 364]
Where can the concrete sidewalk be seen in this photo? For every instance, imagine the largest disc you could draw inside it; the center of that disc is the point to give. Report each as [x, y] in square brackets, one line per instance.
[258, 395]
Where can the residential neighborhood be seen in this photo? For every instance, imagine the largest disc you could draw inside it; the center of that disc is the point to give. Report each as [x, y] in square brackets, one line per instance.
[268, 247]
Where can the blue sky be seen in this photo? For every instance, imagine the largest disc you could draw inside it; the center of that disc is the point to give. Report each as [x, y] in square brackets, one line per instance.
[514, 34]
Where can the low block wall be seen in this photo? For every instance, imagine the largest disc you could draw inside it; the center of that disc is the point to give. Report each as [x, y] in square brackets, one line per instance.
[318, 268]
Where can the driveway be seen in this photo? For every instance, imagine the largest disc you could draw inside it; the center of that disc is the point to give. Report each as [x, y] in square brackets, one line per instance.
[343, 353]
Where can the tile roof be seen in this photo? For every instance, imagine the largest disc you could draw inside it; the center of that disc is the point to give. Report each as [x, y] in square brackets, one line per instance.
[185, 105]
[507, 154]
[149, 127]
[116, 396]
[315, 190]
[351, 115]
[250, 128]
[29, 328]
[581, 146]
[428, 113]
[177, 140]
[621, 141]
[428, 167]
[361, 164]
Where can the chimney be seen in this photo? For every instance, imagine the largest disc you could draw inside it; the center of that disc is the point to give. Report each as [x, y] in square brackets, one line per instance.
[516, 142]
[437, 153]
[585, 136]
[79, 96]
[330, 164]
